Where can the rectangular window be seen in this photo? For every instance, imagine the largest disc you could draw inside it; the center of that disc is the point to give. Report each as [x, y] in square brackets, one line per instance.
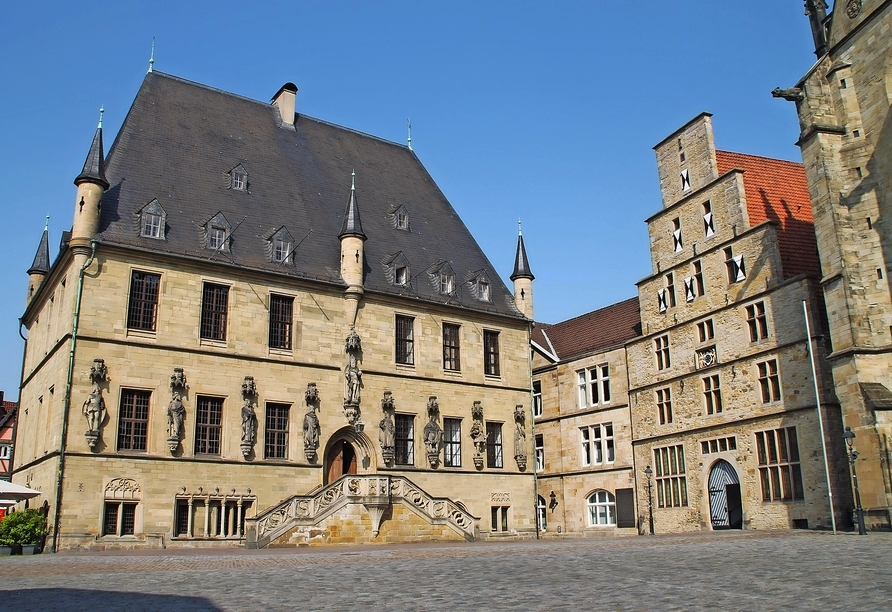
[669, 476]
[133, 421]
[661, 349]
[281, 310]
[404, 440]
[143, 310]
[664, 405]
[718, 445]
[769, 381]
[537, 398]
[735, 266]
[151, 225]
[494, 445]
[757, 321]
[217, 238]
[483, 293]
[405, 340]
[118, 519]
[275, 437]
[594, 386]
[281, 251]
[401, 276]
[706, 330]
[452, 442]
[5, 452]
[670, 290]
[491, 352]
[214, 308]
[451, 349]
[708, 222]
[597, 444]
[712, 394]
[676, 235]
[499, 518]
[699, 287]
[447, 284]
[540, 452]
[208, 425]
[779, 469]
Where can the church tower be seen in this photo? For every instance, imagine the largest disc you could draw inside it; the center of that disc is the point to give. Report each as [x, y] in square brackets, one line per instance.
[41, 265]
[523, 279]
[91, 184]
[352, 239]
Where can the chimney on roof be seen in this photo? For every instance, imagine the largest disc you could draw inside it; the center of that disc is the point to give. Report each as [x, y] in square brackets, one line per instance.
[284, 101]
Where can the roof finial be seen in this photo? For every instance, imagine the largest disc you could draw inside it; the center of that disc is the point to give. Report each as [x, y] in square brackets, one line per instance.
[409, 121]
[519, 230]
[152, 57]
[47, 225]
[353, 180]
[101, 110]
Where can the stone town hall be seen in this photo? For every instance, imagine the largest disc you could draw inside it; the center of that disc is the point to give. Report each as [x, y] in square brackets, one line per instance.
[265, 328]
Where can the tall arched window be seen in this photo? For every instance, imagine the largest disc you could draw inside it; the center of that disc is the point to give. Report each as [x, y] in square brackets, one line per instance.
[601, 509]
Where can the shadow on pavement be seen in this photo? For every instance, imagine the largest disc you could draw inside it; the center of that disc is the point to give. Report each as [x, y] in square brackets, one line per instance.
[77, 600]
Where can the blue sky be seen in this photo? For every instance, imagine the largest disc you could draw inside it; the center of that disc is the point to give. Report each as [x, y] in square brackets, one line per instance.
[546, 112]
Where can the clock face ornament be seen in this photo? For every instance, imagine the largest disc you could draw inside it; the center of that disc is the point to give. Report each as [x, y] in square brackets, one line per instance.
[853, 8]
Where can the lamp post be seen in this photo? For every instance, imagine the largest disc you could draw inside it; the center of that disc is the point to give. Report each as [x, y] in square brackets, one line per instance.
[849, 437]
[650, 500]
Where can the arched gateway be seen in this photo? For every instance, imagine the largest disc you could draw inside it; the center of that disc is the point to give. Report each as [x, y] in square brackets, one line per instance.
[725, 508]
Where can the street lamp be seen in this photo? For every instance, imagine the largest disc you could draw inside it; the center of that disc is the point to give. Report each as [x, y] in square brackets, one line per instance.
[849, 437]
[650, 500]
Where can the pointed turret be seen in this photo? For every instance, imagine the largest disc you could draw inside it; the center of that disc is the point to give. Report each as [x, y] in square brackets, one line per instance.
[352, 238]
[522, 278]
[817, 17]
[41, 266]
[91, 184]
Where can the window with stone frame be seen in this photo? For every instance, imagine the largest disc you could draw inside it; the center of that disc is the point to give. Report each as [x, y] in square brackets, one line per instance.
[735, 266]
[697, 287]
[208, 425]
[661, 350]
[494, 445]
[451, 347]
[133, 420]
[670, 290]
[404, 439]
[597, 444]
[769, 381]
[405, 340]
[214, 310]
[706, 330]
[452, 442]
[677, 245]
[708, 220]
[275, 432]
[780, 472]
[499, 516]
[281, 321]
[142, 311]
[669, 476]
[712, 394]
[491, 353]
[664, 405]
[537, 398]
[119, 518]
[540, 452]
[685, 180]
[718, 445]
[601, 506]
[757, 321]
[593, 386]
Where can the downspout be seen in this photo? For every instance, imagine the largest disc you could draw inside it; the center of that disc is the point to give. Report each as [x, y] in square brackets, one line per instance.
[66, 405]
[533, 428]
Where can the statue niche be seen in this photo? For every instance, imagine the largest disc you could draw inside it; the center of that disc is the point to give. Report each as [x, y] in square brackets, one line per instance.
[352, 378]
[94, 406]
[249, 417]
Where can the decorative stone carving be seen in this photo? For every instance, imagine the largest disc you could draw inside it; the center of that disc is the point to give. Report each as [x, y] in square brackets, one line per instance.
[433, 433]
[122, 488]
[792, 94]
[478, 435]
[311, 423]
[352, 377]
[94, 406]
[178, 380]
[520, 438]
[176, 412]
[388, 429]
[706, 357]
[249, 417]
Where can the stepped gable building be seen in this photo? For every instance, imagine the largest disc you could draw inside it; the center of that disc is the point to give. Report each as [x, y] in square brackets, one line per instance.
[843, 103]
[281, 331]
[723, 402]
[583, 433]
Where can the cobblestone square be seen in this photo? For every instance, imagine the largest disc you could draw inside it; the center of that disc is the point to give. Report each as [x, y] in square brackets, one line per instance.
[715, 571]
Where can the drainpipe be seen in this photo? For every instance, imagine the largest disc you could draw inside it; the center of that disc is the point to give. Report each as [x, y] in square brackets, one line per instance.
[66, 405]
[533, 428]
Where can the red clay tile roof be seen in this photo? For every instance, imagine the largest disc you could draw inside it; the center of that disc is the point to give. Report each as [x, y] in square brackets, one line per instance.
[588, 333]
[776, 190]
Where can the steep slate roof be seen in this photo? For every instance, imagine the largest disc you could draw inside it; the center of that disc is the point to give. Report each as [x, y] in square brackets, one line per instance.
[179, 141]
[776, 190]
[595, 331]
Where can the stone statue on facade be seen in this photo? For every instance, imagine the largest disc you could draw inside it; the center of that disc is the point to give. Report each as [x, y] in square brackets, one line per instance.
[94, 406]
[386, 436]
[478, 435]
[433, 433]
[352, 377]
[520, 438]
[176, 417]
[249, 422]
[311, 434]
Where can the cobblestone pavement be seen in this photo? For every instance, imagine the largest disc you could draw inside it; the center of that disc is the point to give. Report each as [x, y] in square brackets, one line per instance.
[715, 571]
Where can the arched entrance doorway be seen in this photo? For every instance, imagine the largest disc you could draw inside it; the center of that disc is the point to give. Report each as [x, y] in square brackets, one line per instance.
[340, 460]
[725, 508]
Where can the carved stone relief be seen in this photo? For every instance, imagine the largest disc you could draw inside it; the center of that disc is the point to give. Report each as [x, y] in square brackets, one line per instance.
[520, 438]
[433, 433]
[249, 417]
[478, 435]
[311, 423]
[94, 406]
[352, 377]
[388, 429]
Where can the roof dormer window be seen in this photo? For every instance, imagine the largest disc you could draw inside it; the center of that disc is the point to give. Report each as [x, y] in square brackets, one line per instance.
[447, 283]
[281, 250]
[217, 231]
[399, 218]
[238, 178]
[442, 278]
[396, 269]
[401, 275]
[480, 286]
[280, 246]
[217, 238]
[152, 220]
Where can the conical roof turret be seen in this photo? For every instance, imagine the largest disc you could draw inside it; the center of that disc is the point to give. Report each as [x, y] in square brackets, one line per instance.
[521, 264]
[94, 166]
[352, 225]
[41, 263]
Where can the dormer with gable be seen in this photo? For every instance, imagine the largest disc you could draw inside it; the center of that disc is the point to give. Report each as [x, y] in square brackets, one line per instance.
[280, 246]
[216, 233]
[152, 220]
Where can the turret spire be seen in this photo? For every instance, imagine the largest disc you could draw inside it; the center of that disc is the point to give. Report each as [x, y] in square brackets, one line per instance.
[522, 278]
[521, 264]
[41, 263]
[94, 166]
[352, 225]
[152, 56]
